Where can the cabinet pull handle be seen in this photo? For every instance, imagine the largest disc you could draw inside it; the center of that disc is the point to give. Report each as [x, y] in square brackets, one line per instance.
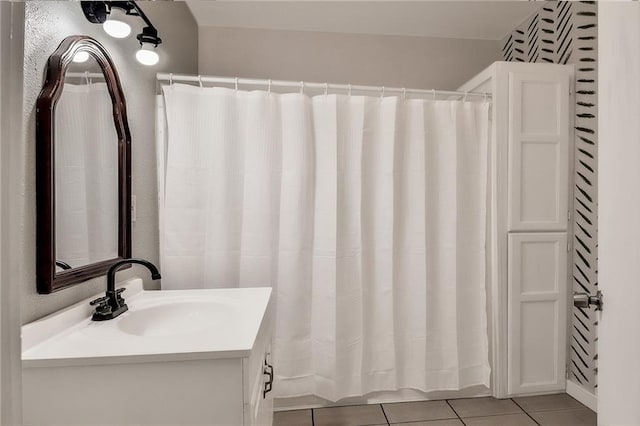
[268, 385]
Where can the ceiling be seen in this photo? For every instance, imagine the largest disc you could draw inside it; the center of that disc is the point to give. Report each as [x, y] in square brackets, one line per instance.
[476, 19]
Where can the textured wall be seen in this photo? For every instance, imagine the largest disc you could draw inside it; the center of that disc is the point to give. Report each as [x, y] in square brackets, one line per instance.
[565, 32]
[378, 60]
[46, 24]
[11, 48]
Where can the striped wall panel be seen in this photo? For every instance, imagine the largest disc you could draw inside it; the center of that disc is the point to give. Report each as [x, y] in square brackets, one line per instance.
[565, 32]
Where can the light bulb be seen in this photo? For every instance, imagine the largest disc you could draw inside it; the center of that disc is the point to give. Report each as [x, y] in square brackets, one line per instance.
[115, 25]
[81, 56]
[147, 55]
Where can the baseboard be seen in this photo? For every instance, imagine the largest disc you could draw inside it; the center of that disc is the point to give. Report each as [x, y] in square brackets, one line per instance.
[584, 396]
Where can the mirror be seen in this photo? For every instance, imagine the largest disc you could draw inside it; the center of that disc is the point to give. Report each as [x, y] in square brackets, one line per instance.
[85, 170]
[83, 167]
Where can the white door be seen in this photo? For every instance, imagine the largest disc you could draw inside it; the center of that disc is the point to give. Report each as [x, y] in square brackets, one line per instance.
[537, 312]
[619, 213]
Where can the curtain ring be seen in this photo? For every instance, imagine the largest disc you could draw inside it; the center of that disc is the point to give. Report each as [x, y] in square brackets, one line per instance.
[236, 84]
[200, 80]
[382, 93]
[433, 93]
[485, 96]
[86, 77]
[170, 79]
[269, 87]
[465, 97]
[302, 87]
[349, 90]
[326, 89]
[404, 93]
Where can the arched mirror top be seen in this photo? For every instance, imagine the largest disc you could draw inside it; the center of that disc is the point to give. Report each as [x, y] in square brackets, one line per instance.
[59, 63]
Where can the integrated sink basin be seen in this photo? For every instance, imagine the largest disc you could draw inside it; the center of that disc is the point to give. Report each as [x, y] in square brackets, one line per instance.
[179, 318]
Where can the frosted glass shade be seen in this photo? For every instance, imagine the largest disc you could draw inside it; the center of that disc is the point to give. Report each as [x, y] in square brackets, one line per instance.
[147, 55]
[115, 25]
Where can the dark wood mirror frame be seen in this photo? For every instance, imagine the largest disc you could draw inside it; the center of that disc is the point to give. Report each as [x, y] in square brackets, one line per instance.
[48, 280]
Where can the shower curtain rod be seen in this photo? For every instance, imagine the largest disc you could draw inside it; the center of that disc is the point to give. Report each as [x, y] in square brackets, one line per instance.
[302, 85]
[84, 74]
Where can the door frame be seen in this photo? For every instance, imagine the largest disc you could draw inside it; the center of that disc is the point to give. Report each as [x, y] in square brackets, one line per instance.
[12, 202]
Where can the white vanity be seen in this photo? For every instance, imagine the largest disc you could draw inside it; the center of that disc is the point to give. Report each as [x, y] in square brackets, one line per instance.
[185, 357]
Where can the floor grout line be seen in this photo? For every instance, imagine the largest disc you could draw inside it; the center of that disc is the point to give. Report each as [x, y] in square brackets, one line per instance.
[385, 415]
[525, 411]
[451, 406]
[558, 409]
[494, 415]
[455, 412]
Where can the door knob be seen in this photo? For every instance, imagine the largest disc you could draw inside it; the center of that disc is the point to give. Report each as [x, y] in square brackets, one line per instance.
[583, 300]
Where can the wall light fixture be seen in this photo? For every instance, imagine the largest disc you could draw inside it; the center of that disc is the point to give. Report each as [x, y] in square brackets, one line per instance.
[112, 15]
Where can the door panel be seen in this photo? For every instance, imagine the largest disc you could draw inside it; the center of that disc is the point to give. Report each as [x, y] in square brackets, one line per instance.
[537, 312]
[538, 151]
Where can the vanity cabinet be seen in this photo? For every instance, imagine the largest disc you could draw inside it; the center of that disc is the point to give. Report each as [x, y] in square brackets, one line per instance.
[220, 386]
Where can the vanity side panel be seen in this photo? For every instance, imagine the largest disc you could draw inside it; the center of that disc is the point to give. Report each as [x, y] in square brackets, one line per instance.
[181, 393]
[258, 406]
[254, 364]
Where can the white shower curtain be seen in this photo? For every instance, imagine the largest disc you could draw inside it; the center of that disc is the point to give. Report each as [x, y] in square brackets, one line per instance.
[367, 216]
[86, 175]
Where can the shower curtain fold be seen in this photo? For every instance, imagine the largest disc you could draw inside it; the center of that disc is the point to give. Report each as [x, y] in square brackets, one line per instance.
[367, 216]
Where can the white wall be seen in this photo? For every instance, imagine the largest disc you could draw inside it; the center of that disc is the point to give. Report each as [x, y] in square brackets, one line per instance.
[47, 24]
[380, 60]
[11, 149]
[619, 212]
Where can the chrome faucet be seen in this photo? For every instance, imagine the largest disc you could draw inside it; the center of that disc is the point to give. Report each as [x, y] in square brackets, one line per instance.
[112, 304]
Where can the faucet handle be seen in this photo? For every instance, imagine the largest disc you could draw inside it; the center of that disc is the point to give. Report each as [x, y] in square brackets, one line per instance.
[119, 298]
[103, 307]
[99, 300]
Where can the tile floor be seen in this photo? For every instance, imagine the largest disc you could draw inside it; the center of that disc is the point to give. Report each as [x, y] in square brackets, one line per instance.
[559, 409]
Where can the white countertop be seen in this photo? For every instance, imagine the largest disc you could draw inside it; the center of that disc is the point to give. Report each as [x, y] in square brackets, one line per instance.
[223, 323]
